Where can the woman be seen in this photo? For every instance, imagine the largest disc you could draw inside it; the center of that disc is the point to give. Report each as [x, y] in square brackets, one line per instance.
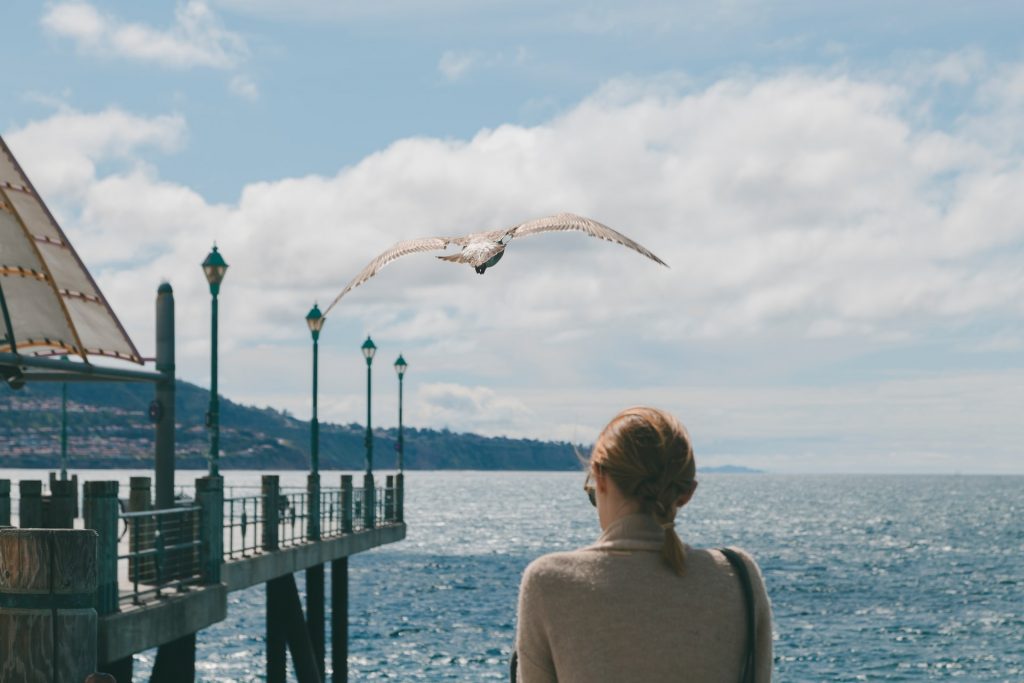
[638, 605]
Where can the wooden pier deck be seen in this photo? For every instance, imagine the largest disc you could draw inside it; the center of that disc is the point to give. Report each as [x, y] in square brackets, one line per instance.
[161, 576]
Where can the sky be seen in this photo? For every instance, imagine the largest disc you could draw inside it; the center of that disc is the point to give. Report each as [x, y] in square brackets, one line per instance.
[838, 189]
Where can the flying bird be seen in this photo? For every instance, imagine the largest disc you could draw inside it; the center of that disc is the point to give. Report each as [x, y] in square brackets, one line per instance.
[483, 250]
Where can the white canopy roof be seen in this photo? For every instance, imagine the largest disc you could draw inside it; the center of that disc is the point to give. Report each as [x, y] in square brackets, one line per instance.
[49, 303]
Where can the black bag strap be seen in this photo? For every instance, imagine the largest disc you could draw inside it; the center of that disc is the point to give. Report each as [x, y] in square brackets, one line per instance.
[748, 598]
[514, 666]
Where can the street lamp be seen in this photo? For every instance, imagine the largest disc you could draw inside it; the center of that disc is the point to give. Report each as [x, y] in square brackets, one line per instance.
[400, 368]
[214, 267]
[369, 348]
[315, 321]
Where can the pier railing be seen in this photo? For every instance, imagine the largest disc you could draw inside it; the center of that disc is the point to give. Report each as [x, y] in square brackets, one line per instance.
[162, 552]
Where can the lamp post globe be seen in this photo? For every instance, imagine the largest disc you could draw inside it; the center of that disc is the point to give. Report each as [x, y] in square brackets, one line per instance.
[214, 267]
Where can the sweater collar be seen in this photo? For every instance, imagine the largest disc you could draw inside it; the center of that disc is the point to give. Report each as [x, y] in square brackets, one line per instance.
[631, 532]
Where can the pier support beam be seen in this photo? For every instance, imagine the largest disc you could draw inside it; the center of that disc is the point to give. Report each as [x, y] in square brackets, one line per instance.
[339, 620]
[284, 612]
[315, 613]
[175, 661]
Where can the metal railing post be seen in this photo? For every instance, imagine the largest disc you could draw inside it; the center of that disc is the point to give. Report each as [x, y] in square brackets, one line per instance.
[210, 497]
[271, 511]
[100, 514]
[346, 503]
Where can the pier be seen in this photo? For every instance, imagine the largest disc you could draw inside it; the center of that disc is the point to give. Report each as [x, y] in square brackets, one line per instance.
[158, 576]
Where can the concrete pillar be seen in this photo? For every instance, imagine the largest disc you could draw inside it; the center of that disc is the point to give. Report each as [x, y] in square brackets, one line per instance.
[162, 410]
[346, 503]
[271, 489]
[30, 505]
[339, 619]
[369, 502]
[210, 496]
[389, 498]
[100, 513]
[5, 502]
[141, 531]
[47, 590]
[313, 507]
[400, 497]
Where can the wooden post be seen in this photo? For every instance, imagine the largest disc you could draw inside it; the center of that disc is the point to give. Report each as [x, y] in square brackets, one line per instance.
[389, 498]
[400, 497]
[271, 511]
[369, 502]
[30, 506]
[339, 619]
[5, 502]
[62, 504]
[210, 496]
[47, 589]
[346, 503]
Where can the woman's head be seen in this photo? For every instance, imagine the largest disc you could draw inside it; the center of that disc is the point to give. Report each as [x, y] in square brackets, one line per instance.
[647, 453]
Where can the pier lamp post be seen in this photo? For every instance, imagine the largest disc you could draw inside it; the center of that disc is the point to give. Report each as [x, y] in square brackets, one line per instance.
[214, 267]
[369, 348]
[315, 321]
[400, 368]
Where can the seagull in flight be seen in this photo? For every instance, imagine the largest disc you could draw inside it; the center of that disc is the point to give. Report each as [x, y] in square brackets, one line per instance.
[483, 250]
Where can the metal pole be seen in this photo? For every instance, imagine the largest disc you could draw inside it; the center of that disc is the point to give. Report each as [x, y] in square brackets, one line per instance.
[214, 414]
[162, 410]
[64, 431]
[401, 440]
[369, 429]
[314, 446]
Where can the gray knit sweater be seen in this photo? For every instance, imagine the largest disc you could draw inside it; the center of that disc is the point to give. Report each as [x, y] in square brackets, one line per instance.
[615, 612]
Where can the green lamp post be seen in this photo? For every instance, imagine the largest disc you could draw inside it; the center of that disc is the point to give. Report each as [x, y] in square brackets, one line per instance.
[214, 267]
[369, 348]
[400, 368]
[315, 320]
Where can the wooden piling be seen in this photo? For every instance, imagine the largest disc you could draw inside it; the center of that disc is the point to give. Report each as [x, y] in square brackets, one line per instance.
[5, 502]
[400, 497]
[47, 619]
[62, 511]
[30, 504]
[284, 607]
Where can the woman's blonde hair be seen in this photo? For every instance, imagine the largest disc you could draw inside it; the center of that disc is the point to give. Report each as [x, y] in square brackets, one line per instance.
[648, 454]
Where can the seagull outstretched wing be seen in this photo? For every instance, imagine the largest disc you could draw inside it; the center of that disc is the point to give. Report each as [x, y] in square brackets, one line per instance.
[570, 221]
[396, 251]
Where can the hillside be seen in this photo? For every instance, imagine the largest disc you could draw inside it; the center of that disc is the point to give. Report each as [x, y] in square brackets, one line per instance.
[108, 426]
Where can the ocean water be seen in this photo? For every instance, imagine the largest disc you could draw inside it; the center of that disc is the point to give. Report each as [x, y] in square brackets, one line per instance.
[887, 578]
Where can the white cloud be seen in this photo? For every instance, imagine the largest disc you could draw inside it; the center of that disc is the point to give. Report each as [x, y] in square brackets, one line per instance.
[196, 39]
[455, 65]
[797, 211]
[244, 87]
